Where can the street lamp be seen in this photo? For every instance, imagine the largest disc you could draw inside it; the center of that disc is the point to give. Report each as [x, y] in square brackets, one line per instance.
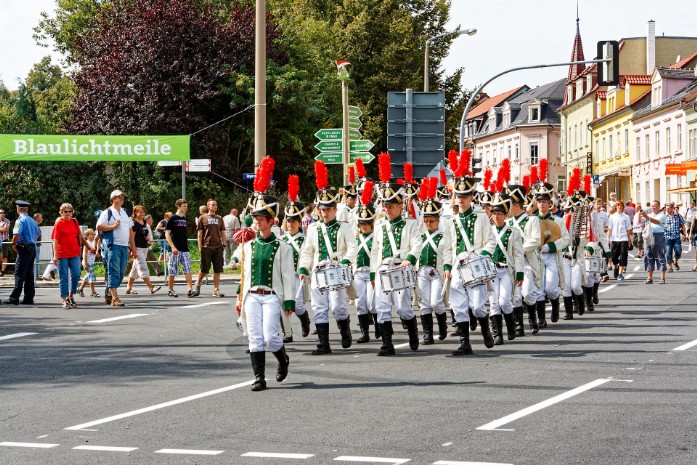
[469, 32]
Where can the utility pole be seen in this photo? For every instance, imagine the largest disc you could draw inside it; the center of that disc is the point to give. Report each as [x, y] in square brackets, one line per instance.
[345, 139]
[260, 83]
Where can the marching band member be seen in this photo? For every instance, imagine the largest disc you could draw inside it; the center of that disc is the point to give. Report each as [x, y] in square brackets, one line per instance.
[509, 260]
[525, 296]
[574, 261]
[593, 278]
[365, 309]
[396, 243]
[269, 282]
[430, 275]
[553, 277]
[328, 241]
[295, 238]
[469, 233]
[346, 210]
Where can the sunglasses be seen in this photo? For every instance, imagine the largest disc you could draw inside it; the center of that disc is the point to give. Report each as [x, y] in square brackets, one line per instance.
[67, 211]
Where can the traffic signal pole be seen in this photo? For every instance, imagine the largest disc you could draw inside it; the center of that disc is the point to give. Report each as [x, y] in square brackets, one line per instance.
[346, 149]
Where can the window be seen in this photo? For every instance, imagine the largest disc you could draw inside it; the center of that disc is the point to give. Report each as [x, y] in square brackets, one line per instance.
[602, 155]
[658, 143]
[494, 159]
[516, 151]
[575, 136]
[597, 150]
[692, 143]
[637, 195]
[618, 149]
[509, 152]
[638, 148]
[668, 143]
[534, 115]
[648, 147]
[585, 133]
[667, 183]
[626, 140]
[648, 191]
[679, 137]
[561, 184]
[534, 153]
[609, 147]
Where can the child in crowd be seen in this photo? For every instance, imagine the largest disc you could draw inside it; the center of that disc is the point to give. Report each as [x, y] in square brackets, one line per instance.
[88, 259]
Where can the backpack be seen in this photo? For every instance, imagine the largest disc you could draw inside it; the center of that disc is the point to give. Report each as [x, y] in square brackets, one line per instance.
[107, 236]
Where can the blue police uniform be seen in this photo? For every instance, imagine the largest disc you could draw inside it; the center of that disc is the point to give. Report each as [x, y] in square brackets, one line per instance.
[28, 232]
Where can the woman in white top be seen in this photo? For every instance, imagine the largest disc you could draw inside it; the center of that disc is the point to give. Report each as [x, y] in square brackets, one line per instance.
[655, 255]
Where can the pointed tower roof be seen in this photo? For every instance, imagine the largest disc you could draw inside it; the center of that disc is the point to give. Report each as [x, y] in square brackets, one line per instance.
[576, 53]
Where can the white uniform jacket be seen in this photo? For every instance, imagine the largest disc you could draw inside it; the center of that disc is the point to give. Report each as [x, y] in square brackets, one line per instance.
[598, 226]
[409, 245]
[348, 215]
[283, 274]
[514, 249]
[560, 244]
[484, 241]
[346, 248]
[531, 239]
[440, 249]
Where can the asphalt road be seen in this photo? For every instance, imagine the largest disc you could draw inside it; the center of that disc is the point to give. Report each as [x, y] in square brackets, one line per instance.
[171, 386]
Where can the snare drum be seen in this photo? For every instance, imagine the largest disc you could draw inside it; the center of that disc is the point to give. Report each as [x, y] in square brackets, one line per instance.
[396, 278]
[595, 264]
[475, 270]
[332, 276]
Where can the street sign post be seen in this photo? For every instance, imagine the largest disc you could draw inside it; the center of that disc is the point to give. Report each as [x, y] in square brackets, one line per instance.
[249, 176]
[337, 134]
[330, 158]
[338, 145]
[198, 166]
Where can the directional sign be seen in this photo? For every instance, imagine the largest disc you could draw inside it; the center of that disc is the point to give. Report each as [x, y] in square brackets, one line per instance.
[337, 134]
[360, 145]
[330, 158]
[330, 146]
[200, 165]
[355, 123]
[355, 112]
[367, 157]
[169, 163]
[249, 176]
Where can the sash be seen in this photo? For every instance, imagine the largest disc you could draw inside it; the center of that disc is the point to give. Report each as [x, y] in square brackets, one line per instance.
[429, 241]
[328, 242]
[363, 243]
[291, 241]
[463, 233]
[393, 243]
[517, 225]
[503, 249]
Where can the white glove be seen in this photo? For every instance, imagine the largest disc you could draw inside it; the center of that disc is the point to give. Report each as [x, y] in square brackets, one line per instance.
[545, 248]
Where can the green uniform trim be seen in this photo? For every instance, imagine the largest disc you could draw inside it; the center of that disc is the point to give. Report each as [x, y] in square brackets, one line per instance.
[429, 257]
[289, 305]
[468, 219]
[263, 255]
[499, 256]
[447, 267]
[363, 258]
[397, 227]
[332, 232]
[372, 276]
[519, 276]
[299, 240]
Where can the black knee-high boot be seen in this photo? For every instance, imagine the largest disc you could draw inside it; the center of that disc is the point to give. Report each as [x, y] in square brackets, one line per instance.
[473, 320]
[465, 347]
[588, 291]
[345, 330]
[305, 323]
[427, 326]
[595, 294]
[442, 325]
[378, 332]
[283, 362]
[555, 309]
[486, 332]
[413, 331]
[387, 346]
[494, 327]
[498, 338]
[259, 367]
[519, 321]
[364, 323]
[323, 336]
[540, 307]
[569, 308]
[581, 299]
[532, 318]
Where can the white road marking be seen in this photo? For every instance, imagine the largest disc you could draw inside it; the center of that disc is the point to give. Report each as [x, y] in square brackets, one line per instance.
[534, 408]
[351, 458]
[122, 317]
[106, 448]
[42, 436]
[33, 445]
[636, 268]
[447, 444]
[273, 455]
[12, 336]
[132, 413]
[629, 276]
[217, 302]
[687, 346]
[605, 289]
[450, 462]
[399, 346]
[189, 452]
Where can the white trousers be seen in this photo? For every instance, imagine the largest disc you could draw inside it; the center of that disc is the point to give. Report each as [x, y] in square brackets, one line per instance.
[528, 292]
[463, 298]
[299, 297]
[573, 278]
[385, 300]
[550, 277]
[592, 278]
[364, 292]
[139, 268]
[263, 313]
[430, 284]
[323, 301]
[501, 298]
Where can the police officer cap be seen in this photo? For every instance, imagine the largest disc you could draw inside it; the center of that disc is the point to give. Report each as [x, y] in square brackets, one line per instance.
[22, 203]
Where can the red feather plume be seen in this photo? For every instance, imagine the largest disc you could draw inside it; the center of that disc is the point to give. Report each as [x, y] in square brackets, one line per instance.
[367, 195]
[503, 176]
[400, 181]
[293, 187]
[352, 175]
[544, 167]
[574, 181]
[533, 175]
[264, 173]
[494, 186]
[423, 191]
[409, 173]
[452, 161]
[321, 175]
[486, 182]
[526, 181]
[360, 168]
[432, 187]
[463, 164]
[443, 177]
[587, 184]
[384, 167]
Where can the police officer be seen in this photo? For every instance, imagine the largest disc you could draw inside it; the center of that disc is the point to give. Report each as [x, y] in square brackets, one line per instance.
[24, 237]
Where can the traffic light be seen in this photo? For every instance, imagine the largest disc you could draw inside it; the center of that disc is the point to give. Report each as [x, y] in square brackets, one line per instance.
[476, 166]
[609, 71]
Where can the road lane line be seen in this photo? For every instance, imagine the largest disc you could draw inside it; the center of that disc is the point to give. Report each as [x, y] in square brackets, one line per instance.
[189, 452]
[33, 445]
[636, 268]
[399, 346]
[132, 413]
[539, 406]
[687, 346]
[629, 276]
[450, 462]
[122, 317]
[274, 455]
[351, 458]
[106, 448]
[605, 289]
[12, 336]
[219, 302]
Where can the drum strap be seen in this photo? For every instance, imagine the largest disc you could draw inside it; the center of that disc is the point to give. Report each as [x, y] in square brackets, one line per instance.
[498, 236]
[429, 240]
[393, 243]
[328, 241]
[291, 241]
[363, 243]
[516, 223]
[463, 233]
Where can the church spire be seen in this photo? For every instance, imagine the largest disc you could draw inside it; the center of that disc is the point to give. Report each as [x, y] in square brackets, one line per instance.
[576, 52]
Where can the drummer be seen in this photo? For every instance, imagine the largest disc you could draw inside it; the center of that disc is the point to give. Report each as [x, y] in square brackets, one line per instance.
[365, 308]
[328, 242]
[470, 234]
[574, 258]
[430, 275]
[396, 243]
[552, 277]
[509, 261]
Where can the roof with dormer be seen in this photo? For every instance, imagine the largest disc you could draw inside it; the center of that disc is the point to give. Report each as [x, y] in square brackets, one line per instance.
[483, 107]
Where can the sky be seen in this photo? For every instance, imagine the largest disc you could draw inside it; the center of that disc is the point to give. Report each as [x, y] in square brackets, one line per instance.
[510, 33]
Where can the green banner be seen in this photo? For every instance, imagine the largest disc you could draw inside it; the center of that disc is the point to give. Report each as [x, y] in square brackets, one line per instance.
[22, 147]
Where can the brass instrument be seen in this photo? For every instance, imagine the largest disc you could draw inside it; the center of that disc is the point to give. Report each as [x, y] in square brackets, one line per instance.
[549, 232]
[579, 222]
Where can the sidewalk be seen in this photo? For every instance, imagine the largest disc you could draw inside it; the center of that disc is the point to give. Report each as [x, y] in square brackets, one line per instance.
[9, 281]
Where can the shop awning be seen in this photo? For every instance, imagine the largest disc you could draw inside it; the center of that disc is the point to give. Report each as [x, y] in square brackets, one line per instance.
[683, 190]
